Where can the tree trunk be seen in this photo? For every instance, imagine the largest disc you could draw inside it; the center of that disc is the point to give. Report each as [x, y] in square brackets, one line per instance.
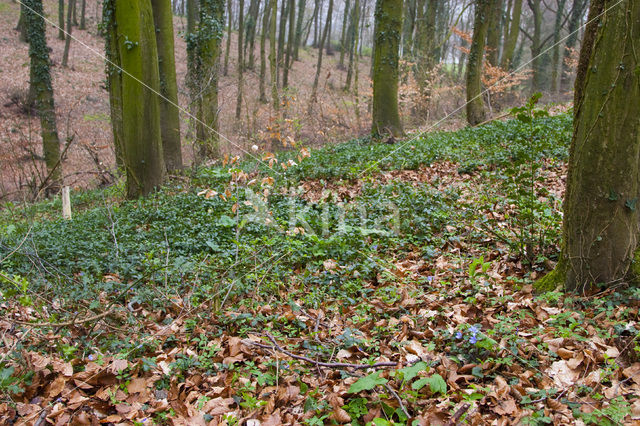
[343, 35]
[67, 44]
[250, 33]
[41, 89]
[475, 104]
[284, 13]
[385, 113]
[240, 60]
[83, 18]
[131, 30]
[353, 47]
[263, 41]
[409, 26]
[557, 29]
[323, 39]
[273, 56]
[229, 31]
[169, 113]
[290, 40]
[301, 9]
[511, 40]
[208, 50]
[537, 59]
[493, 34]
[577, 13]
[600, 228]
[61, 19]
[22, 25]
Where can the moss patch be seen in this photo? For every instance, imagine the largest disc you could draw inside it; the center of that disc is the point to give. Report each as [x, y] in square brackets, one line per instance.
[554, 280]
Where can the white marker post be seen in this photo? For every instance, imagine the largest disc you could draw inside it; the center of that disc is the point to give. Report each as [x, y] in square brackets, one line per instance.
[66, 202]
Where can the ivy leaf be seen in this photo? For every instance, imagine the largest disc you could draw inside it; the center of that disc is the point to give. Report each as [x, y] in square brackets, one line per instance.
[436, 384]
[631, 204]
[412, 371]
[367, 383]
[226, 221]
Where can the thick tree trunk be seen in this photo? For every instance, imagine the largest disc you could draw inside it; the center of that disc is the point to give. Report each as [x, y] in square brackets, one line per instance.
[250, 33]
[511, 40]
[601, 213]
[475, 104]
[67, 43]
[169, 113]
[42, 90]
[132, 33]
[385, 112]
[207, 41]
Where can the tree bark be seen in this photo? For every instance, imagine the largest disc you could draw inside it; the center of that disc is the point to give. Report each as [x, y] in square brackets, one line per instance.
[42, 91]
[67, 43]
[475, 104]
[61, 19]
[132, 32]
[240, 70]
[263, 41]
[385, 112]
[575, 19]
[600, 230]
[343, 35]
[512, 39]
[299, 23]
[83, 18]
[353, 46]
[493, 34]
[323, 39]
[555, 64]
[273, 56]
[169, 112]
[290, 40]
[229, 31]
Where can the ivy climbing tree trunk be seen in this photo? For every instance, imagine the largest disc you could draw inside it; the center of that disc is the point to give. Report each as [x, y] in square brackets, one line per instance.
[169, 113]
[601, 211]
[385, 112]
[41, 91]
[475, 104]
[131, 32]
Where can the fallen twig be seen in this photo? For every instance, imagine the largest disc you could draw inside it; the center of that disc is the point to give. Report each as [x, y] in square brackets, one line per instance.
[456, 417]
[279, 348]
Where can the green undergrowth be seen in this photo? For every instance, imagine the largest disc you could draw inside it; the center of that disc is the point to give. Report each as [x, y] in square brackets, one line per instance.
[189, 244]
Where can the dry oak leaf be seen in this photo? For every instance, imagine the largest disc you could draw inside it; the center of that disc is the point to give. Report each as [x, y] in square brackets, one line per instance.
[218, 406]
[56, 387]
[563, 376]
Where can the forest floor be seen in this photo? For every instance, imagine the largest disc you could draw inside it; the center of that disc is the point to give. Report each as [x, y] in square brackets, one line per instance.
[361, 283]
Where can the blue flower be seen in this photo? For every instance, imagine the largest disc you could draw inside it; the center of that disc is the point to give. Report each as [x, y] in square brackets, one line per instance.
[430, 278]
[473, 340]
[91, 357]
[459, 335]
[474, 330]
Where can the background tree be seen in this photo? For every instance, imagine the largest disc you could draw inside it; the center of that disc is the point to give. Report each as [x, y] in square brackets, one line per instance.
[263, 60]
[299, 28]
[67, 44]
[206, 44]
[240, 67]
[61, 19]
[41, 92]
[273, 56]
[131, 32]
[323, 40]
[385, 113]
[169, 113]
[290, 40]
[511, 32]
[600, 229]
[475, 103]
[577, 13]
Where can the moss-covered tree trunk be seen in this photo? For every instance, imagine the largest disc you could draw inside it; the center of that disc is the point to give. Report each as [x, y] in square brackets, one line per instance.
[41, 91]
[385, 112]
[511, 39]
[169, 113]
[206, 40]
[475, 104]
[114, 80]
[600, 231]
[132, 35]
